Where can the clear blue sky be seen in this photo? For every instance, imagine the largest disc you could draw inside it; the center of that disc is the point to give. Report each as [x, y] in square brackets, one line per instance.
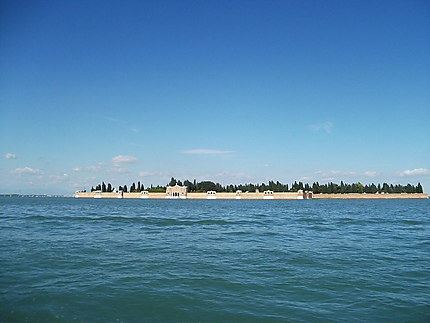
[228, 91]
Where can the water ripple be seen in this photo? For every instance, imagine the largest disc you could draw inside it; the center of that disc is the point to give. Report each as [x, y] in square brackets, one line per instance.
[118, 260]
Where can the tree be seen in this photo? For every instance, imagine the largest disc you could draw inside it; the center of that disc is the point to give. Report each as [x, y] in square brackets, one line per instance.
[333, 187]
[125, 189]
[172, 182]
[385, 188]
[359, 188]
[323, 189]
[189, 185]
[316, 187]
[348, 188]
[158, 189]
[410, 189]
[342, 188]
[206, 186]
[419, 188]
[109, 187]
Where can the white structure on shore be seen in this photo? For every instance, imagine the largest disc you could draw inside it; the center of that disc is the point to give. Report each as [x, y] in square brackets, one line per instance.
[268, 195]
[144, 195]
[238, 195]
[211, 195]
[176, 192]
[307, 195]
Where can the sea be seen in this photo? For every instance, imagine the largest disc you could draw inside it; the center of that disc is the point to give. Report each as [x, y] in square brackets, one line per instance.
[126, 260]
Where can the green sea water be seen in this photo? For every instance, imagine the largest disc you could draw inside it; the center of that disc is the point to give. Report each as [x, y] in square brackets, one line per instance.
[95, 260]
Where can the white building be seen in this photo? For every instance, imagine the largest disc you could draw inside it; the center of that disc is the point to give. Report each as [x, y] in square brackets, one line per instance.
[176, 192]
[211, 195]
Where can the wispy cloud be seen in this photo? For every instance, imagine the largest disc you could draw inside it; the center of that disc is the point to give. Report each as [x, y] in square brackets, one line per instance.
[59, 178]
[305, 179]
[325, 126]
[145, 174]
[118, 160]
[229, 176]
[206, 152]
[371, 174]
[111, 119]
[332, 173]
[10, 156]
[416, 171]
[26, 171]
[117, 169]
[338, 175]
[93, 169]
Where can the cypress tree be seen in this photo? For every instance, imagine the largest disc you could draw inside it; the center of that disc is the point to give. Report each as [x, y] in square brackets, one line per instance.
[419, 188]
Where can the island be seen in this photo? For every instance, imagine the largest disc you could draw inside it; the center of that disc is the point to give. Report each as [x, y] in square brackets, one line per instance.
[271, 191]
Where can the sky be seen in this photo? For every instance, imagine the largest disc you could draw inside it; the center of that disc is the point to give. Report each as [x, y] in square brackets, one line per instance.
[227, 91]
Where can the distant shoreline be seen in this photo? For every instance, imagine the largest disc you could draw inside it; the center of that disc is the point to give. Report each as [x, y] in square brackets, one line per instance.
[250, 196]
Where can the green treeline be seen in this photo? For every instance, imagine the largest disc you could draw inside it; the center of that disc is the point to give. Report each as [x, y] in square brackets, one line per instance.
[316, 188]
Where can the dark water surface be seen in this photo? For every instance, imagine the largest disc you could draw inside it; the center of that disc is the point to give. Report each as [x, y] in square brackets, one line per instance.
[64, 259]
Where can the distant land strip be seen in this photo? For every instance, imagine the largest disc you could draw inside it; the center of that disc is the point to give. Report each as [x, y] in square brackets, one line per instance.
[315, 188]
[248, 195]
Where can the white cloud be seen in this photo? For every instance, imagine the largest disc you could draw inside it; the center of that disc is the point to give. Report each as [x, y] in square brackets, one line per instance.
[26, 171]
[228, 176]
[144, 174]
[328, 179]
[305, 179]
[10, 156]
[331, 173]
[59, 178]
[119, 170]
[111, 119]
[371, 174]
[206, 152]
[96, 168]
[337, 175]
[118, 160]
[416, 171]
[325, 126]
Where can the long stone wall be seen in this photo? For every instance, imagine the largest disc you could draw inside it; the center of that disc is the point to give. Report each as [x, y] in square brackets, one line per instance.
[249, 196]
[371, 196]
